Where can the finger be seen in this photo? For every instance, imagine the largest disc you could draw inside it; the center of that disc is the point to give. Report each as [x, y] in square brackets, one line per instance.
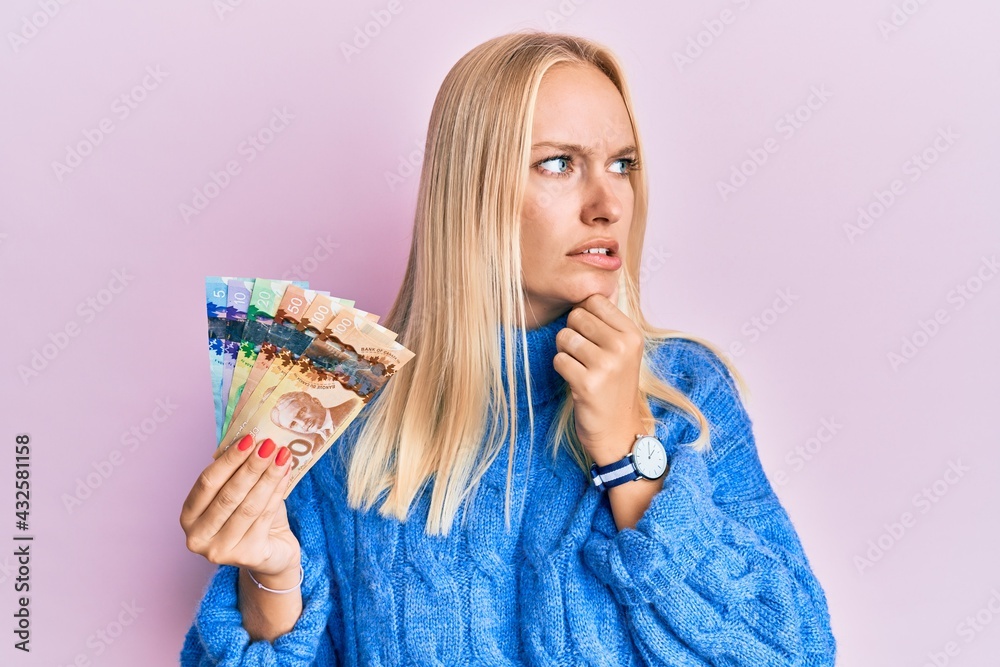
[605, 310]
[234, 491]
[256, 503]
[220, 450]
[576, 345]
[212, 478]
[265, 522]
[572, 370]
[591, 327]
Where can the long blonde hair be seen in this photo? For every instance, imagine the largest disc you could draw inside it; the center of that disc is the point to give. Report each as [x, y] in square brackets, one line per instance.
[445, 414]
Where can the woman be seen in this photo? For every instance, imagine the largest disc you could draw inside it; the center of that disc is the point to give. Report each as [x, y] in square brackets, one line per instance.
[613, 549]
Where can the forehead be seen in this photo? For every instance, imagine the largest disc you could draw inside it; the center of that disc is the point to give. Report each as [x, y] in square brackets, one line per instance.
[579, 104]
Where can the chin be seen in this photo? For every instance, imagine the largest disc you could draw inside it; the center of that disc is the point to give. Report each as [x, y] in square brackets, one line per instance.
[578, 296]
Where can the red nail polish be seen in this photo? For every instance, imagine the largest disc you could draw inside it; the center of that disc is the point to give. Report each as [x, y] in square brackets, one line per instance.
[245, 443]
[266, 449]
[282, 456]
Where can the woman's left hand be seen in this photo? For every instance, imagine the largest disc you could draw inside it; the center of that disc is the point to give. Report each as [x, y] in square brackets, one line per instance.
[599, 355]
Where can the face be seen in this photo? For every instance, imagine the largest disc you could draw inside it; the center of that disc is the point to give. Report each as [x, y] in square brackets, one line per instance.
[300, 416]
[578, 191]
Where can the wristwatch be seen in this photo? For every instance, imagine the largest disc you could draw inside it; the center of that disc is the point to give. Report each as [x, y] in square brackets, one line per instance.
[647, 460]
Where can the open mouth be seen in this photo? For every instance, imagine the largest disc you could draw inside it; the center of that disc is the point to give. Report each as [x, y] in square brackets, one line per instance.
[607, 247]
[599, 257]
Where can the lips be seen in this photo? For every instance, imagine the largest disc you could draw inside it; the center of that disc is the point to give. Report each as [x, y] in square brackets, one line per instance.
[610, 244]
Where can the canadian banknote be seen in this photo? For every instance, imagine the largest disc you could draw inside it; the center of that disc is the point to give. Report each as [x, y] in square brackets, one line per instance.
[263, 304]
[347, 362]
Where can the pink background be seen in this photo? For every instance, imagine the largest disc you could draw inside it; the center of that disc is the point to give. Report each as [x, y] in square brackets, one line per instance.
[712, 266]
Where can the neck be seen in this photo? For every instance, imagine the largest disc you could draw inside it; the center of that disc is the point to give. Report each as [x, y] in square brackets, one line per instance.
[540, 314]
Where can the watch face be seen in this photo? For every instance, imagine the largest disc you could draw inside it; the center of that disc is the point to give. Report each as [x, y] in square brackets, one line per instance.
[649, 457]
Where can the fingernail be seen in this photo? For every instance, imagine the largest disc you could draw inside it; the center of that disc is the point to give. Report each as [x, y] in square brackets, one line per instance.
[282, 456]
[245, 443]
[266, 448]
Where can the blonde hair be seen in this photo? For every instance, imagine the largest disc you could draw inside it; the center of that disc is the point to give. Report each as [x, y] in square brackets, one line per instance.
[445, 414]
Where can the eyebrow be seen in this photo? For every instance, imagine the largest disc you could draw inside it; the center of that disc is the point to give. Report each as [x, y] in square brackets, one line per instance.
[582, 150]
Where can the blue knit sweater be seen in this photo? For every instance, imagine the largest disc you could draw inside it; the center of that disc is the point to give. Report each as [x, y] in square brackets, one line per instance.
[712, 574]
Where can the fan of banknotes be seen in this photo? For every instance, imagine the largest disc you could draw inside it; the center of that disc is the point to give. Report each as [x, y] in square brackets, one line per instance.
[292, 364]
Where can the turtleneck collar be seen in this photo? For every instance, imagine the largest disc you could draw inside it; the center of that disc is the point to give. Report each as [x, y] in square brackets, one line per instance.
[546, 383]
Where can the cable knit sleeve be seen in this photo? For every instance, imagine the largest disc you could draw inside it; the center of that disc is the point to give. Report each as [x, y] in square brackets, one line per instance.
[217, 635]
[713, 572]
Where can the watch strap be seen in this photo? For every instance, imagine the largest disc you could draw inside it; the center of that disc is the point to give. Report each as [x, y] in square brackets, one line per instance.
[613, 474]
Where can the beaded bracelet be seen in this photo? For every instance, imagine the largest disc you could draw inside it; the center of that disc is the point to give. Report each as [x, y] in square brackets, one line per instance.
[272, 590]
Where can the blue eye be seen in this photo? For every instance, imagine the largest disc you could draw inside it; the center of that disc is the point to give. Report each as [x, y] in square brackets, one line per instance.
[558, 158]
[629, 164]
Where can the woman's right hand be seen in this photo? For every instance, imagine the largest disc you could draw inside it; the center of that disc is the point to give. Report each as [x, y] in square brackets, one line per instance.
[235, 513]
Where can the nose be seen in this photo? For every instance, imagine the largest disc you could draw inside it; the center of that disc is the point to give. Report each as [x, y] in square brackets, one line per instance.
[601, 203]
